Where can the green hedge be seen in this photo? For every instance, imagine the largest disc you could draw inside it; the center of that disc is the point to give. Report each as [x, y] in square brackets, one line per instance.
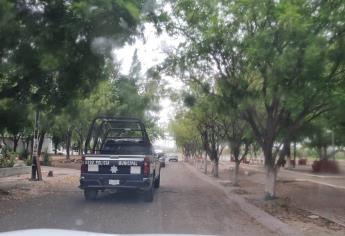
[8, 160]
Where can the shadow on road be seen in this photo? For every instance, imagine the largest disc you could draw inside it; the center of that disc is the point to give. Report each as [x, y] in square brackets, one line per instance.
[119, 198]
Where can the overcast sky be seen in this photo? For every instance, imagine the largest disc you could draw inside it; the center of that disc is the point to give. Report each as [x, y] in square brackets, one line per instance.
[150, 53]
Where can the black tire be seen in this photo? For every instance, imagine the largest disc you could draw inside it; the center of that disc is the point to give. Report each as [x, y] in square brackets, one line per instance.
[90, 195]
[148, 195]
[157, 181]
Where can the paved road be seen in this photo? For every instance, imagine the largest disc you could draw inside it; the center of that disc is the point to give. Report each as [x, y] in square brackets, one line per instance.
[183, 204]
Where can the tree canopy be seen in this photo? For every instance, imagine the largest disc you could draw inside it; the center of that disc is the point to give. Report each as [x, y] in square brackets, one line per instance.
[277, 63]
[53, 51]
[57, 57]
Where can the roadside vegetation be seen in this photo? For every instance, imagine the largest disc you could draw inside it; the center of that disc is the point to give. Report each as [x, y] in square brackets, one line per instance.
[261, 77]
[57, 61]
[265, 74]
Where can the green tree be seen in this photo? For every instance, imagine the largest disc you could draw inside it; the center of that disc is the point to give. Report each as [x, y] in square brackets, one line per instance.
[239, 137]
[187, 137]
[114, 96]
[208, 121]
[14, 120]
[278, 60]
[54, 51]
[135, 69]
[327, 131]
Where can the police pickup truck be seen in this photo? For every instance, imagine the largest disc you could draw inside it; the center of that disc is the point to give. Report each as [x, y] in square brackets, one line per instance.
[118, 155]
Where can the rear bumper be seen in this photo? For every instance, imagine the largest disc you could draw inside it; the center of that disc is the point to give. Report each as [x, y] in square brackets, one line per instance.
[101, 182]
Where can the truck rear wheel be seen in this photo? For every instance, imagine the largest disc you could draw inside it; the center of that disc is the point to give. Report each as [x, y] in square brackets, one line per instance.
[148, 195]
[90, 194]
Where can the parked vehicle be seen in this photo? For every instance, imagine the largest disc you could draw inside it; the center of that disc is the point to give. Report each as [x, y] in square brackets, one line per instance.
[173, 157]
[119, 156]
[162, 158]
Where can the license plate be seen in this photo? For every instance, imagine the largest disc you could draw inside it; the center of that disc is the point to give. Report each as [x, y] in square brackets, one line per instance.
[114, 181]
[92, 168]
[135, 170]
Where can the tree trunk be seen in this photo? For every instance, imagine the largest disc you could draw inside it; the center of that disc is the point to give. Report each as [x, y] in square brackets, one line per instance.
[3, 139]
[79, 147]
[255, 153]
[40, 142]
[32, 146]
[80, 144]
[235, 175]
[68, 142]
[205, 164]
[322, 152]
[26, 146]
[270, 182]
[55, 148]
[288, 162]
[325, 155]
[212, 167]
[216, 169]
[288, 156]
[294, 154]
[15, 142]
[26, 142]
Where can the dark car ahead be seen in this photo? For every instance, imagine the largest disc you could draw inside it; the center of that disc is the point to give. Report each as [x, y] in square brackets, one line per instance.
[119, 156]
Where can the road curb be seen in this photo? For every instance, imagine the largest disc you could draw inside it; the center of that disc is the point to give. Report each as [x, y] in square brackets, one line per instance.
[6, 172]
[273, 224]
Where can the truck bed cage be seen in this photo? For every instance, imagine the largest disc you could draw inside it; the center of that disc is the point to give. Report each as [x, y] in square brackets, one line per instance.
[104, 122]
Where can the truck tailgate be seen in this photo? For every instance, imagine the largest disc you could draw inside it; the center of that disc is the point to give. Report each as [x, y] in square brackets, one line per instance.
[113, 164]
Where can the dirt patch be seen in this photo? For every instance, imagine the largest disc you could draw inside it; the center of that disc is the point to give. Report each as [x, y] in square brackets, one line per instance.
[226, 183]
[319, 199]
[311, 208]
[73, 163]
[4, 192]
[28, 190]
[21, 187]
[283, 209]
[240, 191]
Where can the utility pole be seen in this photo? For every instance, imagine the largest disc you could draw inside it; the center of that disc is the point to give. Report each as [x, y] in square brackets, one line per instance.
[36, 166]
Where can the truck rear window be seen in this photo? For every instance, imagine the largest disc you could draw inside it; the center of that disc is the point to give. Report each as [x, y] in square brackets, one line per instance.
[117, 136]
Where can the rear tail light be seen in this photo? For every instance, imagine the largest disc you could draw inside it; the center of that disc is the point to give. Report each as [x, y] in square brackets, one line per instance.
[146, 170]
[83, 167]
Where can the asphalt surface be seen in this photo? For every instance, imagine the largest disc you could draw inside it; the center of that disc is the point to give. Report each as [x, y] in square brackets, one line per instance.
[183, 204]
